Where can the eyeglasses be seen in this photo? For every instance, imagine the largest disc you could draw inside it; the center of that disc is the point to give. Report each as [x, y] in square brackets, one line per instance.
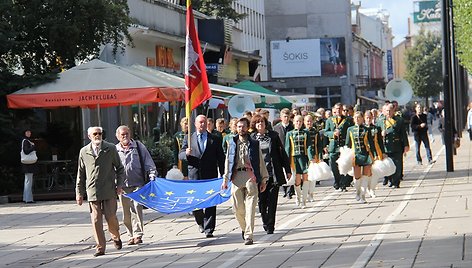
[97, 134]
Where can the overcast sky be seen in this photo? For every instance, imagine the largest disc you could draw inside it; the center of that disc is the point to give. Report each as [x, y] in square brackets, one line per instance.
[399, 11]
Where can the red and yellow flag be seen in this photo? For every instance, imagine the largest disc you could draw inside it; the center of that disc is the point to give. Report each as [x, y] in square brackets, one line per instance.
[196, 81]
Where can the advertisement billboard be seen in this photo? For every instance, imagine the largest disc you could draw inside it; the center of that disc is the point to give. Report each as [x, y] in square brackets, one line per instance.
[426, 11]
[308, 57]
[295, 58]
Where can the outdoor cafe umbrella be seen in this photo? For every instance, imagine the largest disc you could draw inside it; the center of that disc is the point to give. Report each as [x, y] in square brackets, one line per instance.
[93, 85]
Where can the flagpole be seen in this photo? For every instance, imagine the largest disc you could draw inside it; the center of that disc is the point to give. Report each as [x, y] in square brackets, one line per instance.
[196, 80]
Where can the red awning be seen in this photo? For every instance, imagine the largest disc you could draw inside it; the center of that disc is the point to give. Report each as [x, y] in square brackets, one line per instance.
[96, 84]
[92, 98]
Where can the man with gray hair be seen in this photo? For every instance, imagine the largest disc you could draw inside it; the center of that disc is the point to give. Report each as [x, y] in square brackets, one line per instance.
[138, 166]
[100, 175]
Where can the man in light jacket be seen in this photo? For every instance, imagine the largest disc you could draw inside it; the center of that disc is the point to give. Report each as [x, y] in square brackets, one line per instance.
[138, 166]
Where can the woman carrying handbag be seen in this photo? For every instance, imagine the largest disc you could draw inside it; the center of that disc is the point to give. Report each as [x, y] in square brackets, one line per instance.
[28, 163]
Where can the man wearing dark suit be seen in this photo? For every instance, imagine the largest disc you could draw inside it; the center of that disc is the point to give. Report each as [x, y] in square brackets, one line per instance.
[282, 128]
[205, 158]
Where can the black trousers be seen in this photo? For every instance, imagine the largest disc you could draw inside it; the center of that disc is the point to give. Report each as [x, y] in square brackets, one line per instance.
[290, 190]
[338, 181]
[268, 205]
[206, 218]
[398, 161]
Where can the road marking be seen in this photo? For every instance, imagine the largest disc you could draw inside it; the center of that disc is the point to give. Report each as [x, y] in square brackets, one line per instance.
[283, 227]
[374, 244]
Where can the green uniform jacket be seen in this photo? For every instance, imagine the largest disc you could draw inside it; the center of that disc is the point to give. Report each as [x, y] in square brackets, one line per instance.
[316, 143]
[298, 142]
[342, 123]
[396, 138]
[360, 139]
[99, 176]
[378, 149]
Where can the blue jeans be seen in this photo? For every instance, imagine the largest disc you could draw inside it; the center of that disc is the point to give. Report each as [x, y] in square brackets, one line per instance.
[422, 138]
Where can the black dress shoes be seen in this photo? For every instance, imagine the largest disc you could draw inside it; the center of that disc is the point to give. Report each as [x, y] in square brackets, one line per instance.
[209, 235]
[385, 182]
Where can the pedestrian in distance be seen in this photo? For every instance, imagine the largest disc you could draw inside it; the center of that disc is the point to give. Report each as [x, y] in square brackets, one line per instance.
[419, 126]
[27, 148]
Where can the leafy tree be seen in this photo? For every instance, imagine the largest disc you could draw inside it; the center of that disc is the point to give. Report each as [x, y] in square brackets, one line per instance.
[222, 9]
[424, 65]
[463, 28]
[46, 35]
[41, 37]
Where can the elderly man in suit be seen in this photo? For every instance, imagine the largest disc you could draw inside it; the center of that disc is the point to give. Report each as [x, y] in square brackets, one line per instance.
[206, 160]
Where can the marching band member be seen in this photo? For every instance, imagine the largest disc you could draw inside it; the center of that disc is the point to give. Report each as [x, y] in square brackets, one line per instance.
[317, 145]
[336, 130]
[377, 150]
[360, 139]
[395, 142]
[299, 150]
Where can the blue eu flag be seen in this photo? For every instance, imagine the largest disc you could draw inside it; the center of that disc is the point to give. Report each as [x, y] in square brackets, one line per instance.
[174, 196]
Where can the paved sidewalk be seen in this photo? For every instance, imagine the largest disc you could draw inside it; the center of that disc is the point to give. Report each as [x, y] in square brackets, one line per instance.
[425, 223]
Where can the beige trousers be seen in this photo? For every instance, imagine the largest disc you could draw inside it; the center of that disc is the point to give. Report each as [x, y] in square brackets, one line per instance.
[106, 208]
[244, 194]
[132, 214]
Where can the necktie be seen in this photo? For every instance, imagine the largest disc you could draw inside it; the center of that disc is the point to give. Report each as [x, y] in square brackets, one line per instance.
[200, 143]
[97, 150]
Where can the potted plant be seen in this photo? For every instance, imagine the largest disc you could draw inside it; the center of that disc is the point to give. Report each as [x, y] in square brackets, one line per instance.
[161, 153]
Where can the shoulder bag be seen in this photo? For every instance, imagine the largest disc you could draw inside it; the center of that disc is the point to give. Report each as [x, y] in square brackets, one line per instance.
[30, 158]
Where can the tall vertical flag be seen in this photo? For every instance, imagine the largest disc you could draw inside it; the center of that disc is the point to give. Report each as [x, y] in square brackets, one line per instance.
[196, 80]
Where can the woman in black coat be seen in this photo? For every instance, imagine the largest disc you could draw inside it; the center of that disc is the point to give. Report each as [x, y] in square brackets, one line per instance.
[276, 161]
[27, 146]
